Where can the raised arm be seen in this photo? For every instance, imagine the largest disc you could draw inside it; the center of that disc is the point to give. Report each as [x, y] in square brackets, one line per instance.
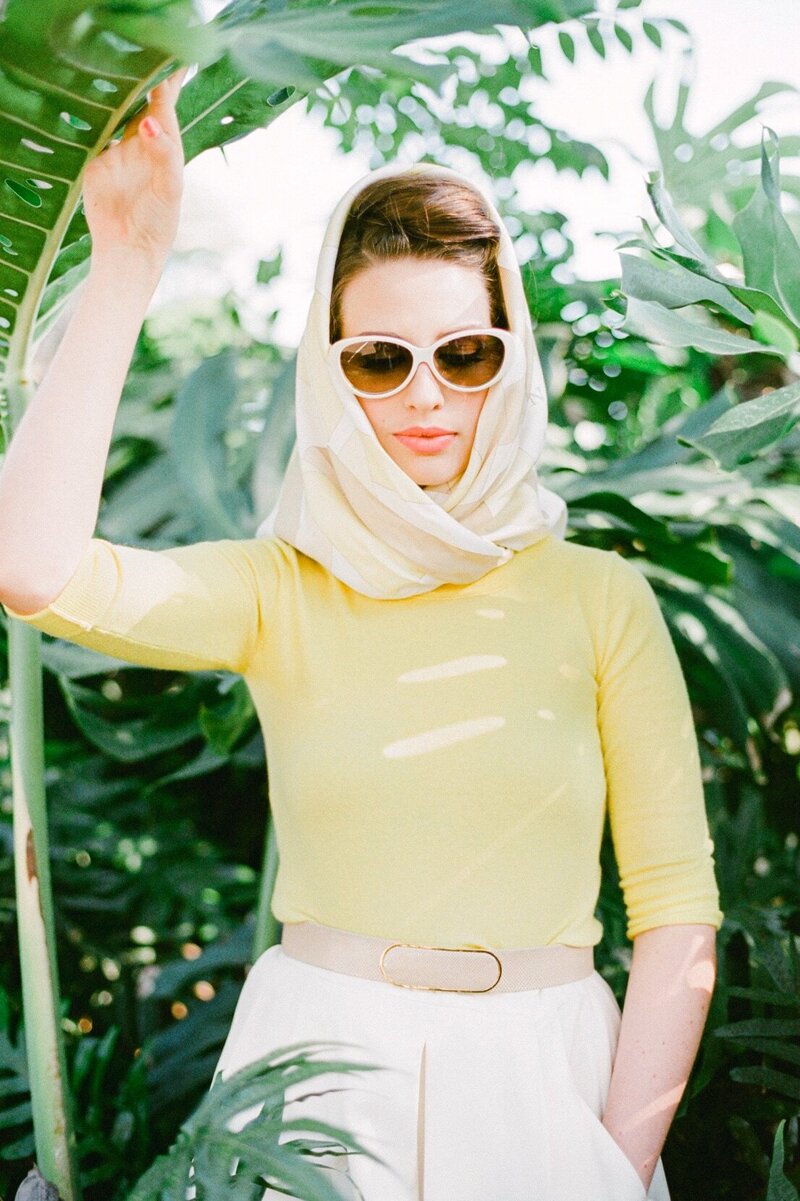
[183, 608]
[52, 476]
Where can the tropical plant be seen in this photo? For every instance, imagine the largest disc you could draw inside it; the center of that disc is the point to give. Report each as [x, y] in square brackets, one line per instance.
[146, 873]
[734, 618]
[84, 75]
[766, 302]
[222, 1152]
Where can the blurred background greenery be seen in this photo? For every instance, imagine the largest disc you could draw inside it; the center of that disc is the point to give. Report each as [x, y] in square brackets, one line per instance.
[673, 388]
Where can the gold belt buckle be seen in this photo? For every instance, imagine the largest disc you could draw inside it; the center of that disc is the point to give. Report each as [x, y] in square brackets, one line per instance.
[457, 950]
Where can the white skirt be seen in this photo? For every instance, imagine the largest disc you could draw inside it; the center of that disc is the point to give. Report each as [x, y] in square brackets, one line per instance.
[478, 1096]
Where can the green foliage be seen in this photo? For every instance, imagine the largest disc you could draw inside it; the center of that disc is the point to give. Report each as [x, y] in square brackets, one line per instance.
[91, 58]
[767, 298]
[16, 1120]
[484, 108]
[745, 430]
[768, 302]
[113, 1104]
[769, 247]
[779, 1187]
[156, 887]
[222, 1154]
[304, 44]
[711, 171]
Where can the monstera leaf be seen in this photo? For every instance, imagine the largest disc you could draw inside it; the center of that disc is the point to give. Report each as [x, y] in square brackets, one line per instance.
[83, 78]
[701, 168]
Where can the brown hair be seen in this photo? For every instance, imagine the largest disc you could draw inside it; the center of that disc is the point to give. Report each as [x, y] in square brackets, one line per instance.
[422, 216]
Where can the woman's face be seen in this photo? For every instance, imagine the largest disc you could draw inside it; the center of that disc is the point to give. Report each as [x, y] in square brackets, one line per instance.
[420, 300]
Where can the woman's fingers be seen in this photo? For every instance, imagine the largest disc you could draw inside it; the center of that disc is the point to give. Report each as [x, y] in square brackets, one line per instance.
[166, 92]
[160, 105]
[175, 80]
[162, 100]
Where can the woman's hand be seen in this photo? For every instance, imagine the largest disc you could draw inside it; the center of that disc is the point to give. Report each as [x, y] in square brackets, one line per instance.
[132, 189]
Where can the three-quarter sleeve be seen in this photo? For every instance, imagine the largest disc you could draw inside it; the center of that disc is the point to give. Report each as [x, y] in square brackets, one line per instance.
[196, 607]
[655, 800]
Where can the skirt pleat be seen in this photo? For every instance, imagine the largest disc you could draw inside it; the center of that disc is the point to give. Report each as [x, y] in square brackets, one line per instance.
[473, 1096]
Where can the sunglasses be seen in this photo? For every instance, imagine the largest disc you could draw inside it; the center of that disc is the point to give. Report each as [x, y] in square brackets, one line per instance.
[377, 366]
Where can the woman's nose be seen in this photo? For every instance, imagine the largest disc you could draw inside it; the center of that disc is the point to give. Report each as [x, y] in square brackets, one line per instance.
[423, 390]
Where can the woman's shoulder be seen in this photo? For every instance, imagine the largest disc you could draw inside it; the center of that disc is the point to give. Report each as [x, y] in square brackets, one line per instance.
[591, 563]
[268, 562]
[596, 576]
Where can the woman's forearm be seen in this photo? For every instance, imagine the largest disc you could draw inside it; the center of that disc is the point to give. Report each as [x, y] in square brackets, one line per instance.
[52, 477]
[666, 1004]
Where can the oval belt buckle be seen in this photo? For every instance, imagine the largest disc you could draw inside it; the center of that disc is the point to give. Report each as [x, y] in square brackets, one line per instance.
[457, 950]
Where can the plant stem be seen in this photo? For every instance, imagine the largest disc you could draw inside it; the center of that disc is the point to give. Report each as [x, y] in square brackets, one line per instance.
[52, 1111]
[267, 931]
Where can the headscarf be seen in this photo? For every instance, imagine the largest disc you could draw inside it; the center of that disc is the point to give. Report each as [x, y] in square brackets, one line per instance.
[344, 501]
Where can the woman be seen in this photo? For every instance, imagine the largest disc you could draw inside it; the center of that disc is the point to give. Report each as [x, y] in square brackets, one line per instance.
[452, 697]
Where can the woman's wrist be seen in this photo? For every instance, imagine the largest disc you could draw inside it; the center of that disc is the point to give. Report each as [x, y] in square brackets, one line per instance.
[128, 266]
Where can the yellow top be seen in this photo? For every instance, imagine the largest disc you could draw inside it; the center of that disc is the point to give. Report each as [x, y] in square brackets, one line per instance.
[439, 764]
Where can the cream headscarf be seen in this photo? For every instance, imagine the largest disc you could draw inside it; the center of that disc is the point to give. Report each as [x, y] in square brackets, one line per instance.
[347, 504]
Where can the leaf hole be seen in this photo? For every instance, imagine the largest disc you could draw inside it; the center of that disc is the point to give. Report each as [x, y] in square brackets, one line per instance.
[104, 85]
[119, 43]
[28, 195]
[226, 120]
[35, 146]
[75, 122]
[5, 323]
[11, 292]
[39, 183]
[4, 241]
[279, 96]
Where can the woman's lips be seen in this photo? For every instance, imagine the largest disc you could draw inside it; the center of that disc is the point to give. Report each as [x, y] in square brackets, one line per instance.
[426, 445]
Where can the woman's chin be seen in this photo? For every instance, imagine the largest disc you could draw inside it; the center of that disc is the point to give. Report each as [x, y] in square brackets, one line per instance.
[430, 474]
[434, 479]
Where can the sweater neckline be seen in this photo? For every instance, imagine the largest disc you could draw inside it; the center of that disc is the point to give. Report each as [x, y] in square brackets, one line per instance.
[491, 581]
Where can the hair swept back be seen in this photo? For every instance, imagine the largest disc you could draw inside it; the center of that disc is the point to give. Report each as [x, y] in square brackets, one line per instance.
[420, 216]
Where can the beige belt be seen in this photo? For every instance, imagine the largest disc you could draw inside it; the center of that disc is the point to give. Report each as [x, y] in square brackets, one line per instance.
[436, 969]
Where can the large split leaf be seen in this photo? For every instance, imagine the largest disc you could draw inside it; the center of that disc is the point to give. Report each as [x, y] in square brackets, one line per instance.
[82, 78]
[281, 44]
[699, 168]
[725, 564]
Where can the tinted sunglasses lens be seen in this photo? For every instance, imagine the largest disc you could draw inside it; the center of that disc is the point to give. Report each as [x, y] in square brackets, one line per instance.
[374, 367]
[471, 360]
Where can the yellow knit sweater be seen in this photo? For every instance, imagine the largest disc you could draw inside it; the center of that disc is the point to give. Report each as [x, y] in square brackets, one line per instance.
[440, 765]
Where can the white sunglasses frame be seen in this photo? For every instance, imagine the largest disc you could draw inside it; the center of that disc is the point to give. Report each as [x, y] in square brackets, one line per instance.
[423, 354]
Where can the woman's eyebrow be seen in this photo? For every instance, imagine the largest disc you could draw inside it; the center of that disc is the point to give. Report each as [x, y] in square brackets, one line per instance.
[387, 333]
